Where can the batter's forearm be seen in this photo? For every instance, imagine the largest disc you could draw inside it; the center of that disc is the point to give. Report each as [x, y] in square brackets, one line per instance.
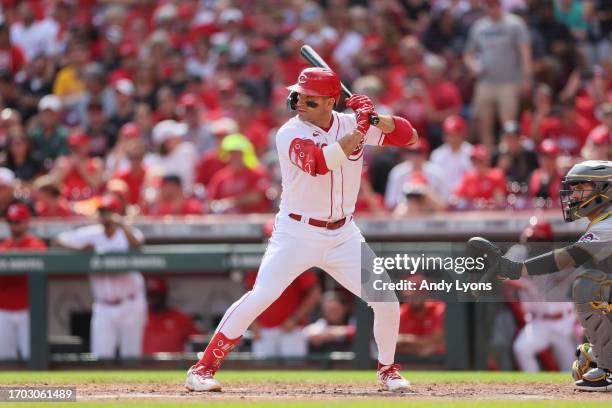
[350, 142]
[386, 123]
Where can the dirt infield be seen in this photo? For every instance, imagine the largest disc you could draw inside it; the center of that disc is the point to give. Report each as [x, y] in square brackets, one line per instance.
[330, 391]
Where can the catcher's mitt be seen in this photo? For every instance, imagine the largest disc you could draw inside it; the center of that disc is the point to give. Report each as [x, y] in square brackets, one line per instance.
[497, 266]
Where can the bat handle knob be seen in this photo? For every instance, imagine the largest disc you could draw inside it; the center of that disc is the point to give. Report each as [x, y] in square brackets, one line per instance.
[374, 119]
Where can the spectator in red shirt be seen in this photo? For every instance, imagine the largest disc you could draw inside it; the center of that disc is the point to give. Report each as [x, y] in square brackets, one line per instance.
[566, 127]
[335, 329]
[168, 329]
[482, 186]
[277, 332]
[51, 204]
[11, 57]
[210, 162]
[135, 174]
[421, 328]
[172, 200]
[241, 186]
[598, 144]
[545, 181]
[443, 98]
[80, 176]
[14, 315]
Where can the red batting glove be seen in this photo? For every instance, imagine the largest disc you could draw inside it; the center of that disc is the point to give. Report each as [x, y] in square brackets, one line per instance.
[363, 120]
[357, 102]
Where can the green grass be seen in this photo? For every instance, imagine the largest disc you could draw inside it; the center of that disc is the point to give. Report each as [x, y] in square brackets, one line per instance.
[74, 378]
[227, 376]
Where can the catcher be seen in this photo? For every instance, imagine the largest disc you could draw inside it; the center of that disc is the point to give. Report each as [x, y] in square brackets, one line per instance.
[586, 192]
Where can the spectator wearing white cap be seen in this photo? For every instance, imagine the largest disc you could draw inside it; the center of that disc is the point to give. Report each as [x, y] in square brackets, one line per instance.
[174, 155]
[49, 136]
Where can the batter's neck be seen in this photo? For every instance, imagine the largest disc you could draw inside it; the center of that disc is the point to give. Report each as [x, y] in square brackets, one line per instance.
[324, 122]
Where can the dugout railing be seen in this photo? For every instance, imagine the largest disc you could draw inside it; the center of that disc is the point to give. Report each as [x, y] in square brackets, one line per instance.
[464, 338]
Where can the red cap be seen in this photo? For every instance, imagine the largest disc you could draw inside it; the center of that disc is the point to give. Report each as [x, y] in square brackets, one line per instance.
[188, 100]
[454, 124]
[156, 284]
[129, 131]
[480, 152]
[601, 136]
[110, 202]
[316, 81]
[549, 147]
[18, 212]
[538, 231]
[78, 139]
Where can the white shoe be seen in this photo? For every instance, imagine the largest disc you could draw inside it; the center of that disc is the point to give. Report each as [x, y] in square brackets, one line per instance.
[201, 378]
[389, 379]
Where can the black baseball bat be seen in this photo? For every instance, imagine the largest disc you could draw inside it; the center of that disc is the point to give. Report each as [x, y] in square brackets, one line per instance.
[315, 60]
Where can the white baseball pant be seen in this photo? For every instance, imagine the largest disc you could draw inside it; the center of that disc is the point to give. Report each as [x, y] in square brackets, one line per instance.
[539, 334]
[295, 247]
[118, 326]
[14, 334]
[275, 342]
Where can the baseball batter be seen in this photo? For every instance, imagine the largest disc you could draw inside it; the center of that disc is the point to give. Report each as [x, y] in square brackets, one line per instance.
[587, 192]
[321, 158]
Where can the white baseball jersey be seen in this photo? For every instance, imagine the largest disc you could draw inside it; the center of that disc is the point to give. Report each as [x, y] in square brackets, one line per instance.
[331, 196]
[110, 286]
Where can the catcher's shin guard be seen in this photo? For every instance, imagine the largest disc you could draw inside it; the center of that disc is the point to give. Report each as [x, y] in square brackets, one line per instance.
[591, 289]
[585, 360]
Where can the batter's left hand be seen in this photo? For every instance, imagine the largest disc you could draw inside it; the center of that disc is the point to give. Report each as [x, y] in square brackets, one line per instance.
[357, 102]
[363, 119]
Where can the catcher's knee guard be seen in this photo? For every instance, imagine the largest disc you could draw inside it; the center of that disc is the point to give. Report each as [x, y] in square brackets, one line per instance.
[591, 295]
[585, 360]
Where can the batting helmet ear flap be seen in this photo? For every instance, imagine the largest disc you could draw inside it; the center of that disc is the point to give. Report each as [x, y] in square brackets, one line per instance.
[292, 100]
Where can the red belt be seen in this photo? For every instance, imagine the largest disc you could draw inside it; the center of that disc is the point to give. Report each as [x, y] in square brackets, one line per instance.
[320, 223]
[554, 316]
[116, 302]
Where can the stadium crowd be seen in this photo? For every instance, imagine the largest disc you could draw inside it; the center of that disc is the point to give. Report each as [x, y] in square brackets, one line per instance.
[173, 105]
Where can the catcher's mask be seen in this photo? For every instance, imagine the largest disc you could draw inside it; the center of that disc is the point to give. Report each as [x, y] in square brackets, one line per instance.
[581, 203]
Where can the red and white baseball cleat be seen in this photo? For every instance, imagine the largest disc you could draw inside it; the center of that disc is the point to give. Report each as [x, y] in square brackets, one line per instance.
[389, 379]
[201, 378]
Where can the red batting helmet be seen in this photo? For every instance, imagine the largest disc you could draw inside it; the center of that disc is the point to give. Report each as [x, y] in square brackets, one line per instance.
[18, 212]
[315, 81]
